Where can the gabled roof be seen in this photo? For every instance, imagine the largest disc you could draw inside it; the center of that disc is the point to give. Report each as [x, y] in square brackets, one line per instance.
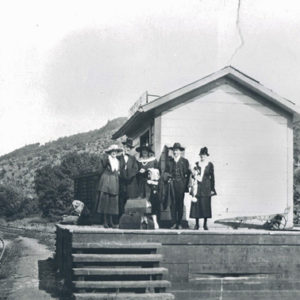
[228, 72]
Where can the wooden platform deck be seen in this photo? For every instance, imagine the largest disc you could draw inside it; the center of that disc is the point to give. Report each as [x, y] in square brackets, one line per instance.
[198, 262]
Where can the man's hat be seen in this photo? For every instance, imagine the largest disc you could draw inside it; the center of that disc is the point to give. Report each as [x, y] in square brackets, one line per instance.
[144, 147]
[177, 146]
[128, 143]
[204, 151]
[113, 148]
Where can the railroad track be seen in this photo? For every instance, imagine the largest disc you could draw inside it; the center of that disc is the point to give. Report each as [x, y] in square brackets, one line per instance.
[2, 249]
[13, 230]
[20, 230]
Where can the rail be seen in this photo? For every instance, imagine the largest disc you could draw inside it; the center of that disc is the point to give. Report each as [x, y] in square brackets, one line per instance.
[3, 249]
[16, 230]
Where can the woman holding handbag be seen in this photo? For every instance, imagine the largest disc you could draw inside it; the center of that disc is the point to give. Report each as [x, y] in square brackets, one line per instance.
[202, 189]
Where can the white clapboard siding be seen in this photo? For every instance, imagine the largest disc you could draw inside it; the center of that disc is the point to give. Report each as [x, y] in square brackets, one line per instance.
[248, 142]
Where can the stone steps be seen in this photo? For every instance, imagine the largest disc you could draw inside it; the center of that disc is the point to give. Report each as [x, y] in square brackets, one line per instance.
[119, 271]
[114, 270]
[113, 245]
[117, 258]
[134, 284]
[124, 296]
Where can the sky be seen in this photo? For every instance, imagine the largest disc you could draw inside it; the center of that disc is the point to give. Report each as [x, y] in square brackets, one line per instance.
[70, 66]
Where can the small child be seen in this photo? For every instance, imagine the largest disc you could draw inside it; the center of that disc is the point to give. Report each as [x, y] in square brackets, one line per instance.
[153, 178]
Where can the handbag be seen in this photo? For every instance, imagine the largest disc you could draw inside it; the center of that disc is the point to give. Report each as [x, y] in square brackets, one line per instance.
[194, 199]
[141, 205]
[194, 190]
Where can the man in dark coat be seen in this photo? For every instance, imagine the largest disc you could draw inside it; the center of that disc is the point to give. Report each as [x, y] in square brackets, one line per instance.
[128, 171]
[178, 171]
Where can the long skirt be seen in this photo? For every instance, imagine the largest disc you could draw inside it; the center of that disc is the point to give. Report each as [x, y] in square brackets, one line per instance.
[155, 204]
[108, 204]
[201, 208]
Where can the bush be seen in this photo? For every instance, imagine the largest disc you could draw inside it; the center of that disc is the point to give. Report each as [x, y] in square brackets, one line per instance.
[13, 203]
[10, 200]
[29, 206]
[54, 184]
[48, 182]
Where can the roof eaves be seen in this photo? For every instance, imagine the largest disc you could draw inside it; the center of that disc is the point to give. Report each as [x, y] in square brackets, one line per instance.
[232, 70]
[227, 71]
[121, 131]
[232, 73]
[186, 89]
[263, 91]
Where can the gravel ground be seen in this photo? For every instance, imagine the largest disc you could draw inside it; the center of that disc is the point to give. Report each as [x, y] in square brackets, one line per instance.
[27, 269]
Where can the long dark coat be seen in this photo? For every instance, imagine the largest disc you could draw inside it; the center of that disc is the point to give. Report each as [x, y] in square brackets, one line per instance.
[166, 191]
[206, 188]
[179, 173]
[184, 172]
[128, 181]
[108, 189]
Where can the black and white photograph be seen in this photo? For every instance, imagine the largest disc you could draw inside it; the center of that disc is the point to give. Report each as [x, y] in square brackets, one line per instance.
[150, 150]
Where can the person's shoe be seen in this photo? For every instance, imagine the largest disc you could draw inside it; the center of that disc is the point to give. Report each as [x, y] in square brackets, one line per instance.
[179, 227]
[174, 226]
[105, 225]
[114, 226]
[205, 227]
[196, 227]
[144, 225]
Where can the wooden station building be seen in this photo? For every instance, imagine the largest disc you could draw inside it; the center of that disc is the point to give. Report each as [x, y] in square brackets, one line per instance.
[247, 128]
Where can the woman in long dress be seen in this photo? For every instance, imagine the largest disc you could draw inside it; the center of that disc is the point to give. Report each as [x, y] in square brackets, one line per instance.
[128, 172]
[108, 188]
[203, 174]
[148, 187]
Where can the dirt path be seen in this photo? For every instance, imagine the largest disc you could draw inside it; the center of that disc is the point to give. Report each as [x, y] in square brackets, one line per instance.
[26, 280]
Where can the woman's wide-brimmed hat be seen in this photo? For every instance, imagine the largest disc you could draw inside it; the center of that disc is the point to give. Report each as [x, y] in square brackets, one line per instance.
[204, 151]
[113, 148]
[177, 146]
[144, 147]
[128, 143]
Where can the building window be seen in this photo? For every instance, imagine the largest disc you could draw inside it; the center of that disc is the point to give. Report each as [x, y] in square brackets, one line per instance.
[144, 139]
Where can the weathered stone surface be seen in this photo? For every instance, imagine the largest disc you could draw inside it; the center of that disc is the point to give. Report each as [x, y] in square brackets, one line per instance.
[121, 284]
[117, 257]
[119, 271]
[127, 296]
[116, 245]
[235, 295]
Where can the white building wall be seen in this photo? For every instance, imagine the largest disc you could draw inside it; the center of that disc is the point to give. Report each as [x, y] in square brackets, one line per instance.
[249, 145]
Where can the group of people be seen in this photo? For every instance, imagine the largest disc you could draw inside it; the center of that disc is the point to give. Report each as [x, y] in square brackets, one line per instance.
[123, 177]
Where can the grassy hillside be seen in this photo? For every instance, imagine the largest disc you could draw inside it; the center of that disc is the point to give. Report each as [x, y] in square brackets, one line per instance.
[17, 168]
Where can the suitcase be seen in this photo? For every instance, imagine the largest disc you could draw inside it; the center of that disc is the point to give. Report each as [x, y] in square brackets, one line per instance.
[140, 205]
[134, 221]
[130, 220]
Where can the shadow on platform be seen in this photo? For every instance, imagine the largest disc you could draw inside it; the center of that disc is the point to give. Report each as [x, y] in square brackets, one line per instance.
[50, 281]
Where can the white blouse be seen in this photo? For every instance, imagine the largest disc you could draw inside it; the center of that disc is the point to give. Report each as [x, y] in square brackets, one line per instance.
[202, 165]
[114, 163]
